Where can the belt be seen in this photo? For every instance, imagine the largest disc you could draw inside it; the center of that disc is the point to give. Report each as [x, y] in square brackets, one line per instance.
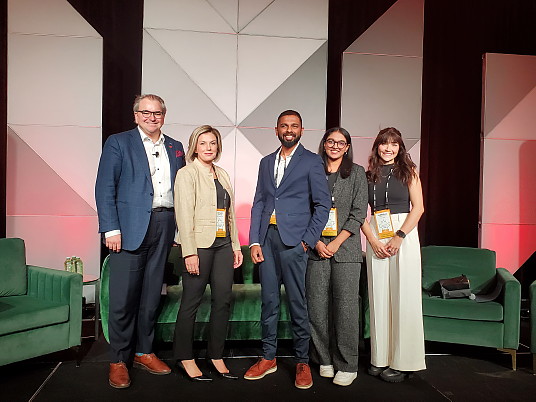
[273, 226]
[162, 209]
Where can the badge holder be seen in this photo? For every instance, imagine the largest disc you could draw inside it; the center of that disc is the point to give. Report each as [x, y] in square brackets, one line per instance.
[220, 223]
[331, 226]
[384, 224]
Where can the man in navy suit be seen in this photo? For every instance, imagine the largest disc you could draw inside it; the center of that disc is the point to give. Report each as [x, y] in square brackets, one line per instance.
[289, 212]
[134, 194]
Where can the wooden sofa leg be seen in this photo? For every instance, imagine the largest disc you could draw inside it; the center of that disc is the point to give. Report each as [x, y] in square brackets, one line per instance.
[511, 352]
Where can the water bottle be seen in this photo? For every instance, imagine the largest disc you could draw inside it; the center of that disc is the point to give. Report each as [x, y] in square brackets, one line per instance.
[79, 265]
[68, 264]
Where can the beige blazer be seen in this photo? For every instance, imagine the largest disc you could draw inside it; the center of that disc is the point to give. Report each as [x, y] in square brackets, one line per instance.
[195, 207]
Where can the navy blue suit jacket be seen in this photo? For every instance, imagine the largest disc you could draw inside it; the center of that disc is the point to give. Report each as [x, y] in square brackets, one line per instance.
[301, 202]
[124, 190]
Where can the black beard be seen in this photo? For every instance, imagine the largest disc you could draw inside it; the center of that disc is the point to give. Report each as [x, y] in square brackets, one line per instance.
[291, 143]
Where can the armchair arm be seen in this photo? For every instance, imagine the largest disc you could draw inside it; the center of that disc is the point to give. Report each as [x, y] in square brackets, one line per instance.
[532, 293]
[62, 287]
[511, 297]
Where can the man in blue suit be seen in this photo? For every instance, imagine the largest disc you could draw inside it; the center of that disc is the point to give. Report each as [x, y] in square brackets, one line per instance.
[134, 194]
[290, 209]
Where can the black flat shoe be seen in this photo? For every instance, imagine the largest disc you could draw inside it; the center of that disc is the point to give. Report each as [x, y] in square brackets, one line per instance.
[227, 376]
[392, 375]
[202, 377]
[376, 371]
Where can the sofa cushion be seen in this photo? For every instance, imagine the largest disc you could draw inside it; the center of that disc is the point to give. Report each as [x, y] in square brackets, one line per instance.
[22, 313]
[441, 262]
[463, 309]
[12, 267]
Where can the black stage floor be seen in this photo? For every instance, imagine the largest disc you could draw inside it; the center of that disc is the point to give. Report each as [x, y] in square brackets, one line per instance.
[455, 373]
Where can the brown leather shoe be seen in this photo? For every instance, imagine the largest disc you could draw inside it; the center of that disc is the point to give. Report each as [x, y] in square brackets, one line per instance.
[260, 369]
[119, 377]
[304, 379]
[152, 364]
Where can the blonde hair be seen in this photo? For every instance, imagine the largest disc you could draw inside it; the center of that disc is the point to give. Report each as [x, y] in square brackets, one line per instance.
[192, 142]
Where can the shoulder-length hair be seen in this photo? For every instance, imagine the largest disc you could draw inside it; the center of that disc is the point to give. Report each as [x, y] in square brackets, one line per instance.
[404, 169]
[192, 142]
[347, 159]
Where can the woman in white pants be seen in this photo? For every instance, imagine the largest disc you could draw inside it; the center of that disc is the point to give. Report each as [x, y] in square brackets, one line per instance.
[394, 260]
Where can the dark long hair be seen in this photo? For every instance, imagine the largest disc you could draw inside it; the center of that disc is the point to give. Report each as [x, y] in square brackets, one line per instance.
[347, 159]
[404, 169]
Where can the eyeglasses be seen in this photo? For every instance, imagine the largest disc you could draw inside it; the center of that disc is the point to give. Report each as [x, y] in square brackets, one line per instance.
[147, 113]
[331, 143]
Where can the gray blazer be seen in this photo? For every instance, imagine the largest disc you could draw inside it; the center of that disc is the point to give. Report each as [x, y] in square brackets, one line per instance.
[350, 197]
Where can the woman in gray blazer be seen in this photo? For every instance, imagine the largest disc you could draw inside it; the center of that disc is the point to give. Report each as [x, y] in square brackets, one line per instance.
[332, 282]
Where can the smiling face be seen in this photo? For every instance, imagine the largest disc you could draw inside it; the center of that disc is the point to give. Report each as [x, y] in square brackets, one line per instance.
[335, 146]
[151, 124]
[289, 130]
[207, 148]
[388, 152]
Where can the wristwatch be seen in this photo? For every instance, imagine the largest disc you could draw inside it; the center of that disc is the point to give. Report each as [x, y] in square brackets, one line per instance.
[400, 234]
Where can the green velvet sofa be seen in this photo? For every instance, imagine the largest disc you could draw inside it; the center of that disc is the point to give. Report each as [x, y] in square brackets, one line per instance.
[40, 308]
[244, 322]
[464, 321]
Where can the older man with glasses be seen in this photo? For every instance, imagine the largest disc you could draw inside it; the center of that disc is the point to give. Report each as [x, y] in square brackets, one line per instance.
[134, 194]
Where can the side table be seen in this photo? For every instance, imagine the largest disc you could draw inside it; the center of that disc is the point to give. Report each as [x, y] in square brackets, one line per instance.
[94, 280]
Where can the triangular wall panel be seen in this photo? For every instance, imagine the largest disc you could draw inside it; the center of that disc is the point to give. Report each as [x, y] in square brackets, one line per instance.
[228, 9]
[260, 72]
[249, 10]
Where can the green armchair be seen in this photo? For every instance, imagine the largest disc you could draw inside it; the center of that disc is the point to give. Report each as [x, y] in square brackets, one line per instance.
[463, 321]
[40, 308]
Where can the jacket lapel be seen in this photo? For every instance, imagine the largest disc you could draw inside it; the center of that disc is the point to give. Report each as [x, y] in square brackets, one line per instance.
[172, 157]
[139, 151]
[294, 161]
[271, 164]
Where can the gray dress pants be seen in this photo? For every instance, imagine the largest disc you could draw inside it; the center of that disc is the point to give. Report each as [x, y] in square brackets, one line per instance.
[332, 291]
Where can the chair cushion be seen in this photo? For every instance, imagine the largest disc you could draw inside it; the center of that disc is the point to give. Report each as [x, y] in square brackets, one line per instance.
[463, 309]
[441, 262]
[22, 313]
[12, 267]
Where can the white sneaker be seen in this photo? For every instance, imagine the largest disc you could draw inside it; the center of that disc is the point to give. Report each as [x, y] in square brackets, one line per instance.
[344, 378]
[327, 371]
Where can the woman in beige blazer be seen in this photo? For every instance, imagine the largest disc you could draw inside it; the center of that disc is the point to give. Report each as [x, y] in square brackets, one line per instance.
[207, 233]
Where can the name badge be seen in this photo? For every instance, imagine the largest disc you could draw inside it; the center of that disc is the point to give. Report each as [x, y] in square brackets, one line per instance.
[384, 224]
[273, 221]
[331, 226]
[220, 223]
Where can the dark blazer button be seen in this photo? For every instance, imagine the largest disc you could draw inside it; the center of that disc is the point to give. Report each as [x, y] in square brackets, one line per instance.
[151, 194]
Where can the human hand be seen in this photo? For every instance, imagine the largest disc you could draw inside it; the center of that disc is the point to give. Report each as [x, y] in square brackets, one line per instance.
[192, 264]
[333, 247]
[256, 254]
[237, 258]
[114, 243]
[393, 246]
[380, 249]
[322, 250]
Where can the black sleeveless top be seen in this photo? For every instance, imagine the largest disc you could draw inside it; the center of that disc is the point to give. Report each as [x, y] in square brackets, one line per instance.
[397, 194]
[223, 202]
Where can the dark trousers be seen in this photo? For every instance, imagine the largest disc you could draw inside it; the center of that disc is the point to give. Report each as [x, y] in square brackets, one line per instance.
[333, 301]
[135, 286]
[287, 265]
[216, 269]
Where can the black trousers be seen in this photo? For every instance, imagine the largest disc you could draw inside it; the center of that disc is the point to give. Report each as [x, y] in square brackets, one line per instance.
[135, 287]
[216, 269]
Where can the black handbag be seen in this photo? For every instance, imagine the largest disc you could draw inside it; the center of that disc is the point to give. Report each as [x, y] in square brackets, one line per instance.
[453, 288]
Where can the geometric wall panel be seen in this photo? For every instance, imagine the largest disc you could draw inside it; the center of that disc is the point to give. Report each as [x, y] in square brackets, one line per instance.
[236, 65]
[33, 188]
[507, 193]
[258, 57]
[304, 91]
[185, 100]
[285, 13]
[54, 132]
[399, 31]
[381, 80]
